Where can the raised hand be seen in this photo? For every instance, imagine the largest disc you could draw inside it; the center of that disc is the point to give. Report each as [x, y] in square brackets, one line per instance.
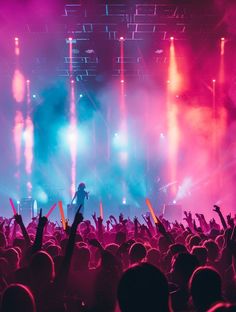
[216, 209]
[230, 220]
[18, 219]
[42, 219]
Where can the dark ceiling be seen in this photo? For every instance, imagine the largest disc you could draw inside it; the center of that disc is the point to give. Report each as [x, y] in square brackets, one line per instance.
[44, 26]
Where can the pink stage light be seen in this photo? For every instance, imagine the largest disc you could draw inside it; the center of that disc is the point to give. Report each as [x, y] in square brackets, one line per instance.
[17, 134]
[173, 86]
[73, 131]
[121, 38]
[28, 139]
[18, 86]
[29, 143]
[17, 48]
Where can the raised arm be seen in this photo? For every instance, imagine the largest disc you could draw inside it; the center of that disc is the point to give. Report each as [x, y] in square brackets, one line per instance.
[39, 233]
[25, 234]
[222, 219]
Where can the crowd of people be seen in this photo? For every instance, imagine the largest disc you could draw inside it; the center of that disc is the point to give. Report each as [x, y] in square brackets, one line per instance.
[118, 265]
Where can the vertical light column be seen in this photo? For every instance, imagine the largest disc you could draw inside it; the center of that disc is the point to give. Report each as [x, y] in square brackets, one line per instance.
[123, 111]
[173, 86]
[29, 139]
[123, 121]
[73, 123]
[18, 93]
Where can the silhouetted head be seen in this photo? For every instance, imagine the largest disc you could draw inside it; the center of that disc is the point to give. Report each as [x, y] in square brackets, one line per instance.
[205, 288]
[17, 297]
[82, 186]
[200, 253]
[143, 288]
[81, 258]
[13, 258]
[137, 253]
[153, 257]
[183, 267]
[41, 269]
[212, 250]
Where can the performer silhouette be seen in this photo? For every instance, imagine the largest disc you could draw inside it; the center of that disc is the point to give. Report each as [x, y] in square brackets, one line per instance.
[80, 196]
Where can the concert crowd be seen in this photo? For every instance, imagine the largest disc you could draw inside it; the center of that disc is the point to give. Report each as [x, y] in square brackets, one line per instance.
[118, 265]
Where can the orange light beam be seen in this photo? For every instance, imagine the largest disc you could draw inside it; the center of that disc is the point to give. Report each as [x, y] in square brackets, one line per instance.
[154, 217]
[63, 220]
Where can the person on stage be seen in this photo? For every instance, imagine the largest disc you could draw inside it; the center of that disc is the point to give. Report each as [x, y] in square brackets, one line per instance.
[80, 196]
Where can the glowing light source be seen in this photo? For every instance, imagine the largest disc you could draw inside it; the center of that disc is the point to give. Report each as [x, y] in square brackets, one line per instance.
[121, 38]
[171, 38]
[18, 86]
[17, 48]
[81, 95]
[124, 200]
[34, 96]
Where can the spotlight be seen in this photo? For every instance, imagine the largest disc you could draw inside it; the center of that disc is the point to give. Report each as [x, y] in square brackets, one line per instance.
[81, 95]
[70, 38]
[124, 200]
[174, 201]
[72, 81]
[171, 38]
[16, 39]
[18, 202]
[27, 81]
[122, 81]
[222, 39]
[34, 96]
[162, 135]
[121, 38]
[116, 134]
[213, 80]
